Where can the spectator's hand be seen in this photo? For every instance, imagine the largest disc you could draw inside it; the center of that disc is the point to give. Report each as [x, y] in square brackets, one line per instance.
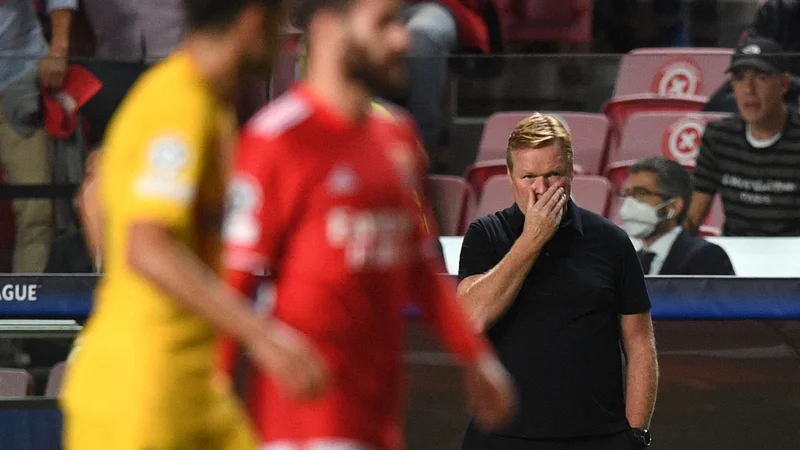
[53, 70]
[543, 216]
[491, 393]
[288, 357]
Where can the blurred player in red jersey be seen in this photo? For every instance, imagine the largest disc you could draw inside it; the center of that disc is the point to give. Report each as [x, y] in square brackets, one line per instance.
[323, 199]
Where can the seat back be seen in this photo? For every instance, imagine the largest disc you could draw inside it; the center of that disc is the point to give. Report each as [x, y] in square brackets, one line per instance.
[592, 192]
[674, 135]
[672, 72]
[589, 133]
[448, 196]
[14, 383]
[54, 380]
[496, 195]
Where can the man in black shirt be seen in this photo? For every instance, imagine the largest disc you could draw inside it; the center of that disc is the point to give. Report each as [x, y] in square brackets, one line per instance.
[558, 290]
[752, 159]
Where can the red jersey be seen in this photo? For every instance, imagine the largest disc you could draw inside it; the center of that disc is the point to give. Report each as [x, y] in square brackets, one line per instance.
[328, 208]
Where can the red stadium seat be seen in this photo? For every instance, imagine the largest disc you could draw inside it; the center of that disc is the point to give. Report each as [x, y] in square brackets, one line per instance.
[497, 194]
[589, 191]
[54, 380]
[589, 133]
[477, 174]
[15, 383]
[528, 21]
[665, 79]
[7, 231]
[672, 72]
[592, 192]
[618, 173]
[675, 135]
[450, 199]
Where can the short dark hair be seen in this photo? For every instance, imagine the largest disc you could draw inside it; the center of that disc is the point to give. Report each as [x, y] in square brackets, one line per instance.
[671, 177]
[302, 11]
[217, 14]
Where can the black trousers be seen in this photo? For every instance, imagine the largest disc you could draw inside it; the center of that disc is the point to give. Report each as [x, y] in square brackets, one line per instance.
[476, 440]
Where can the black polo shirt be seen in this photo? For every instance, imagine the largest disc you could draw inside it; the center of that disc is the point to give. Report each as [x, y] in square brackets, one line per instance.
[560, 338]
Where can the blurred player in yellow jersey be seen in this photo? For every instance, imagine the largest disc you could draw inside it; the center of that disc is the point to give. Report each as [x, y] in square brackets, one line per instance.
[144, 378]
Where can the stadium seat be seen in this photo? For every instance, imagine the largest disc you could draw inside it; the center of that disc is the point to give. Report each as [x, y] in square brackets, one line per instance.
[54, 380]
[675, 135]
[450, 197]
[528, 21]
[7, 231]
[672, 72]
[588, 191]
[660, 79]
[15, 383]
[589, 133]
[618, 173]
[477, 174]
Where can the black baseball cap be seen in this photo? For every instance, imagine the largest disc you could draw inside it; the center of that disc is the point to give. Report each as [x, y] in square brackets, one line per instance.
[759, 53]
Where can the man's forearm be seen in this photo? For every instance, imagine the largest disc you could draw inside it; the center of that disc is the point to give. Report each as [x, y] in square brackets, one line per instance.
[60, 25]
[642, 386]
[182, 276]
[488, 298]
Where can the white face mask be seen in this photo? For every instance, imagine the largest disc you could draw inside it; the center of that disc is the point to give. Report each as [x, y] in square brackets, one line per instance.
[639, 219]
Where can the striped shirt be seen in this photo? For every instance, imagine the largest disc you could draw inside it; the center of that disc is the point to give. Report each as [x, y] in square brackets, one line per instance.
[759, 187]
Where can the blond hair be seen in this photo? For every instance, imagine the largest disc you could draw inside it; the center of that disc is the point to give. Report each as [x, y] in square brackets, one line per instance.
[538, 131]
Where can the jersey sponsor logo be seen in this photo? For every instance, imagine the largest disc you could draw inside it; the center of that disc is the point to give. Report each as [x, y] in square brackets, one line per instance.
[19, 292]
[681, 140]
[163, 177]
[371, 239]
[342, 181]
[244, 201]
[678, 77]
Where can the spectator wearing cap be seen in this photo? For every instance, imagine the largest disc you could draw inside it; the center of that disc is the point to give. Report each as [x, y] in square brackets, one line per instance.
[776, 20]
[657, 197]
[27, 58]
[752, 160]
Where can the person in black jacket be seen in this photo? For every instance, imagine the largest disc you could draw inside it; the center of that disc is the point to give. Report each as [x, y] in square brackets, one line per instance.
[657, 196]
[776, 20]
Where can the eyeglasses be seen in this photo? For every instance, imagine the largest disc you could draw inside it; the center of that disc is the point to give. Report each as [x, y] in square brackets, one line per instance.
[639, 193]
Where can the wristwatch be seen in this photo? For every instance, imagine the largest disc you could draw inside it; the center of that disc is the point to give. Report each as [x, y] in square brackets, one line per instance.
[642, 436]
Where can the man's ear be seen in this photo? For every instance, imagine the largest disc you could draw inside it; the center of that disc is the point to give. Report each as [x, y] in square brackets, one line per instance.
[786, 82]
[677, 205]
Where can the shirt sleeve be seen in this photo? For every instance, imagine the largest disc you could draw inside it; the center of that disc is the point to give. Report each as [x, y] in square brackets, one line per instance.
[435, 294]
[707, 176]
[167, 169]
[55, 5]
[258, 204]
[477, 255]
[631, 290]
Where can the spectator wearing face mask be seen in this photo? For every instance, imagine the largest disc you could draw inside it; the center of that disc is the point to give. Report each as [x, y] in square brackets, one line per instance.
[657, 197]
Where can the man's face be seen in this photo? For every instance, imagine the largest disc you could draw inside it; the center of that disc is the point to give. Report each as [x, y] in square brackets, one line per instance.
[643, 186]
[539, 168]
[377, 40]
[758, 95]
[261, 34]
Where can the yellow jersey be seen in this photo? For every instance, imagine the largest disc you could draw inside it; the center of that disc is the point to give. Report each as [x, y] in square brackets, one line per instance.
[144, 358]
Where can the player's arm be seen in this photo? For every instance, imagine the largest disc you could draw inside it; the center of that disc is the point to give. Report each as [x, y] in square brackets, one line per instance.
[489, 386]
[162, 203]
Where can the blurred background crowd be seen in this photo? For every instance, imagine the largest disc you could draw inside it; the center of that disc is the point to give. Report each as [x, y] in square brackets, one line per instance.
[631, 79]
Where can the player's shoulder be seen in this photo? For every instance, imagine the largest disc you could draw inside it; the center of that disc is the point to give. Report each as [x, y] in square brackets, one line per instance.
[280, 118]
[170, 93]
